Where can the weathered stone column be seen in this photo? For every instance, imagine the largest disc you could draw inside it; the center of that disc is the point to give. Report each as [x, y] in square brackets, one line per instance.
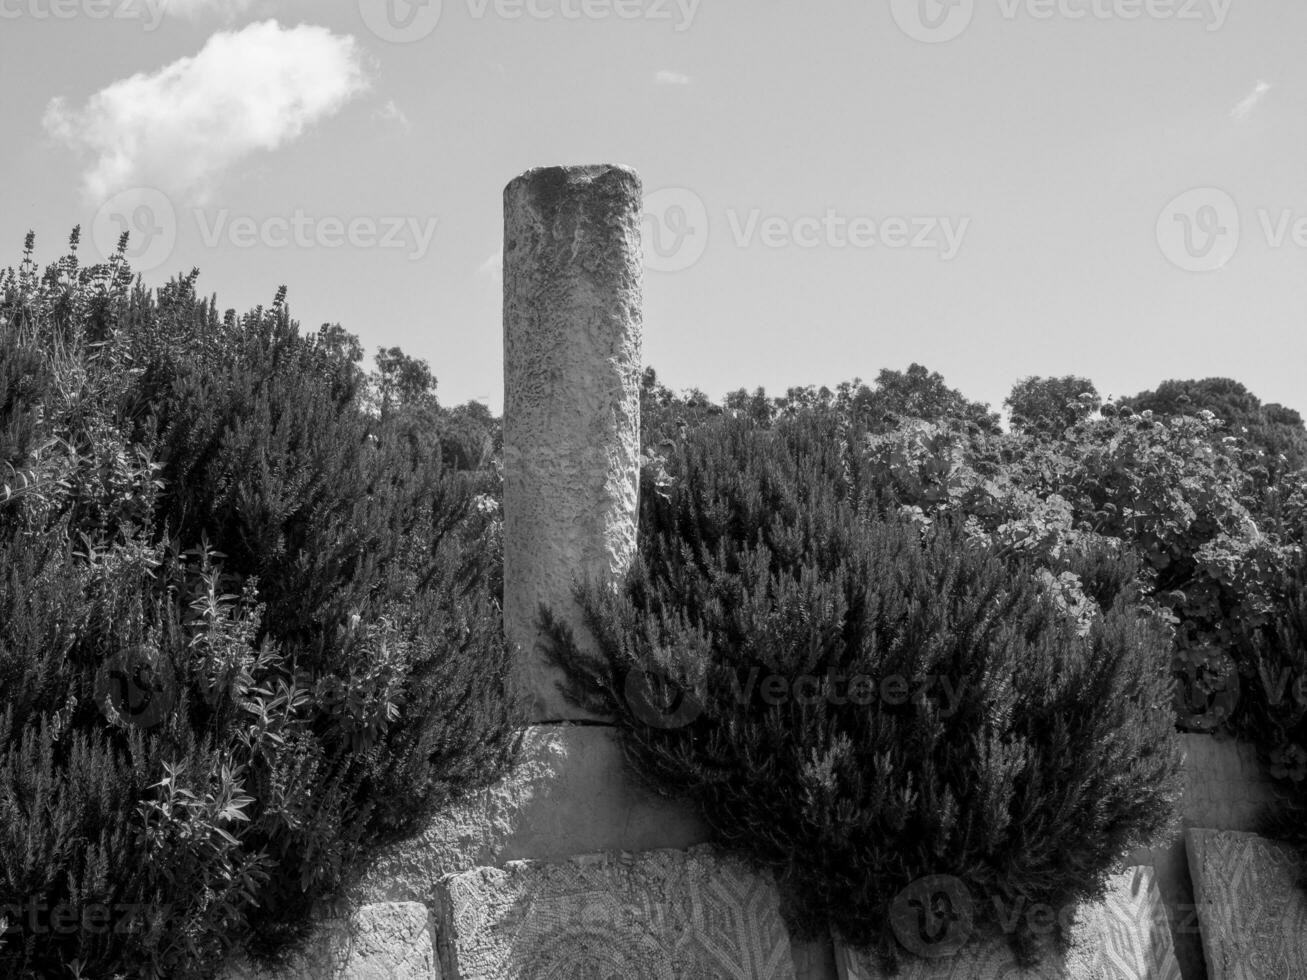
[573, 273]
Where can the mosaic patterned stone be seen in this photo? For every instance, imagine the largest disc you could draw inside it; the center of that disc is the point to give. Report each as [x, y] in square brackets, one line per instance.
[1251, 907]
[1123, 937]
[386, 941]
[658, 915]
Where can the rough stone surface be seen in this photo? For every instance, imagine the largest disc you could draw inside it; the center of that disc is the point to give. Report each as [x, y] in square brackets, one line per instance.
[573, 274]
[1226, 788]
[1250, 904]
[814, 960]
[663, 915]
[389, 941]
[1124, 937]
[569, 795]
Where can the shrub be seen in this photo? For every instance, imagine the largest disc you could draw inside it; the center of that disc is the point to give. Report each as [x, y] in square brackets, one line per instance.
[247, 632]
[992, 738]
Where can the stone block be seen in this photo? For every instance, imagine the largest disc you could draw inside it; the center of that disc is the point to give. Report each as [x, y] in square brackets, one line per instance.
[570, 794]
[388, 941]
[661, 915]
[1225, 788]
[1123, 937]
[1251, 905]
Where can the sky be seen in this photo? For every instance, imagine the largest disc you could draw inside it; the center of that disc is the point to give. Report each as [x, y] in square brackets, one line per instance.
[1115, 189]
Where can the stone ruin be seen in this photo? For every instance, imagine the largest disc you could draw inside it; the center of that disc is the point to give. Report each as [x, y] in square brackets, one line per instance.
[566, 870]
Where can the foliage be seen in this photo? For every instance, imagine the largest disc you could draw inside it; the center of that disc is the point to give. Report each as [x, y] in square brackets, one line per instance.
[1276, 431]
[1051, 405]
[1000, 736]
[247, 629]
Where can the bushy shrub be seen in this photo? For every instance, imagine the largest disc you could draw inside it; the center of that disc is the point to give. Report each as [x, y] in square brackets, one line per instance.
[855, 701]
[247, 633]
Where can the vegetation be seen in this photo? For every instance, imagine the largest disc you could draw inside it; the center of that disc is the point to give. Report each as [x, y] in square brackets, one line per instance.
[247, 624]
[855, 700]
[250, 629]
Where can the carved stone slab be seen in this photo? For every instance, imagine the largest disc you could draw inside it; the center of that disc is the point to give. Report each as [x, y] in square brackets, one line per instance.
[1124, 937]
[387, 941]
[1251, 905]
[659, 915]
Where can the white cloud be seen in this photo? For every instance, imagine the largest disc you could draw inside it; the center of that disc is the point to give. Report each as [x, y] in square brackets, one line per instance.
[493, 267]
[666, 77]
[390, 112]
[1244, 107]
[181, 127]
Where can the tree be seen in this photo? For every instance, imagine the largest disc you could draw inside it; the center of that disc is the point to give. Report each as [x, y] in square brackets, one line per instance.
[917, 393]
[1051, 405]
[1273, 429]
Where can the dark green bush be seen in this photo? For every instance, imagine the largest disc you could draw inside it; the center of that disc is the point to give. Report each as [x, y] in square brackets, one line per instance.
[247, 629]
[997, 737]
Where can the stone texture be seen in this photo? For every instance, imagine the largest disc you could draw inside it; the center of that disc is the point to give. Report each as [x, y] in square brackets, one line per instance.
[662, 915]
[573, 274]
[388, 941]
[1124, 937]
[569, 795]
[1251, 906]
[814, 960]
[1226, 788]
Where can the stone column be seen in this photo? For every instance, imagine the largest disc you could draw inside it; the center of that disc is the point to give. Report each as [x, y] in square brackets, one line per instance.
[573, 273]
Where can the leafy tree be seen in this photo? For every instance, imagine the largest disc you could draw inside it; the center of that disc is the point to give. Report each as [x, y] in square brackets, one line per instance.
[1273, 429]
[918, 393]
[1051, 405]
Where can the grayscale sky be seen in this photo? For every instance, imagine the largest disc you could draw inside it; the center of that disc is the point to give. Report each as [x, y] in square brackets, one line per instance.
[994, 188]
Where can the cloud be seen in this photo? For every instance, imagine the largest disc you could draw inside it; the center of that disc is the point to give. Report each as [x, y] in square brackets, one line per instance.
[1244, 107]
[666, 77]
[180, 128]
[493, 267]
[390, 112]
